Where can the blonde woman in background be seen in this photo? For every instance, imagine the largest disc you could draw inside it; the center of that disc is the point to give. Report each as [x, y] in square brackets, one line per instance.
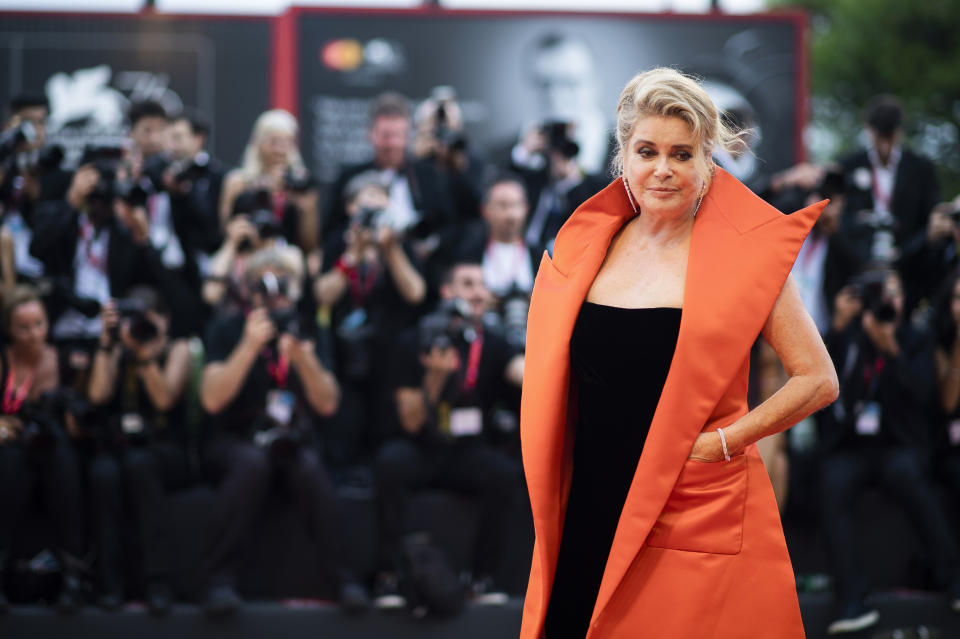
[273, 177]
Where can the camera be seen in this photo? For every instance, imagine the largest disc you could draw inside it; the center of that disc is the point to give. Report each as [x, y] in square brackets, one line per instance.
[282, 441]
[134, 310]
[271, 287]
[369, 217]
[107, 160]
[261, 215]
[40, 417]
[13, 139]
[558, 138]
[448, 138]
[449, 326]
[869, 289]
[298, 181]
[514, 307]
[191, 170]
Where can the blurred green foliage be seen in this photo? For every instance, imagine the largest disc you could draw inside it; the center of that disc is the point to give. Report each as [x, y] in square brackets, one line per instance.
[910, 48]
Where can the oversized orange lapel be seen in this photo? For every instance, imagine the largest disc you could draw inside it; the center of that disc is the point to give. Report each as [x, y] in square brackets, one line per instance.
[741, 252]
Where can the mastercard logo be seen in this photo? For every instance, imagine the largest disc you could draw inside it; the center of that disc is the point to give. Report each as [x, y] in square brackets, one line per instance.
[342, 55]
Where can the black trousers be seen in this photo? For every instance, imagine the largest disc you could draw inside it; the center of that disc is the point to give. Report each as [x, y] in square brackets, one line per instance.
[472, 468]
[245, 474]
[142, 477]
[900, 473]
[55, 472]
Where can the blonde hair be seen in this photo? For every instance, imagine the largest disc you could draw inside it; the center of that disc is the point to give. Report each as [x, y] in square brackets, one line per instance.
[666, 92]
[17, 296]
[273, 121]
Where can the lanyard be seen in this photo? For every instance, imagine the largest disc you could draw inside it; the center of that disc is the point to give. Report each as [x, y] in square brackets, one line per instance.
[872, 377]
[361, 287]
[279, 205]
[279, 369]
[13, 397]
[89, 236]
[473, 363]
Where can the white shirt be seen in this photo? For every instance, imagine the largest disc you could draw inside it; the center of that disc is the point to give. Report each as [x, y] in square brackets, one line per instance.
[163, 236]
[90, 281]
[401, 214]
[884, 177]
[507, 264]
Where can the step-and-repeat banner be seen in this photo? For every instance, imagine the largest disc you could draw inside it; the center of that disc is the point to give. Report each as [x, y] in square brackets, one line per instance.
[509, 71]
[512, 71]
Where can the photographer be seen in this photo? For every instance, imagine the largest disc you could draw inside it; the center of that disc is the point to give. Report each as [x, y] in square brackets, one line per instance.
[497, 242]
[439, 137]
[138, 379]
[34, 448]
[264, 386]
[933, 262]
[420, 201]
[889, 194]
[947, 357]
[878, 432]
[451, 373]
[178, 225]
[225, 286]
[374, 289]
[274, 178]
[555, 182]
[194, 181]
[29, 172]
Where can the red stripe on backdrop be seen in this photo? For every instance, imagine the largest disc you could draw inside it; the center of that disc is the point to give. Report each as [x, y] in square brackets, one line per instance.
[283, 62]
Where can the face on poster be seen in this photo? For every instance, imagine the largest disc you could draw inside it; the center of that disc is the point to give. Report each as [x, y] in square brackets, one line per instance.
[511, 72]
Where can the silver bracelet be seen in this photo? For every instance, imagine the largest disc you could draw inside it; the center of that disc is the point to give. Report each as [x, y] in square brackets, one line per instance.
[723, 442]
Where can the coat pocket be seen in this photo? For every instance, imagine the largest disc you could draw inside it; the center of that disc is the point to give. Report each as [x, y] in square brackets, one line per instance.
[705, 511]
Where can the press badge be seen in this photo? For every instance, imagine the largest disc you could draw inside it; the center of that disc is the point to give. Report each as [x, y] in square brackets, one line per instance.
[131, 424]
[953, 432]
[465, 422]
[868, 421]
[280, 404]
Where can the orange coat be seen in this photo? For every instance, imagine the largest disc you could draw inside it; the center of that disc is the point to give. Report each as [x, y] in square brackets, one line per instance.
[699, 551]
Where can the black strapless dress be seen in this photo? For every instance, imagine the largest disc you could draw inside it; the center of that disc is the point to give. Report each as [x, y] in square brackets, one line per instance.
[620, 358]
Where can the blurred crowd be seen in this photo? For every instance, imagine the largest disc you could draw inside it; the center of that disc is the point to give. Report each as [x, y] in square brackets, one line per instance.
[169, 321]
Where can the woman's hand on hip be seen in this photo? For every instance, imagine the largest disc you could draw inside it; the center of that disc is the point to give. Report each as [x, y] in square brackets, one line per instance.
[707, 448]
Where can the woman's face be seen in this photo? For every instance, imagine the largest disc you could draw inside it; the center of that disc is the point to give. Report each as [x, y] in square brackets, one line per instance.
[28, 325]
[275, 147]
[659, 166]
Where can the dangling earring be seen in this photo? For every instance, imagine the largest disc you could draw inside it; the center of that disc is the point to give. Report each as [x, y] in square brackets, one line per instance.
[699, 201]
[626, 187]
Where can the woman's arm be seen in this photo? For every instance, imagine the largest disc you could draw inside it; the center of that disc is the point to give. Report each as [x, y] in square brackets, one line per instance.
[106, 361]
[948, 378]
[319, 385]
[164, 387]
[811, 384]
[309, 219]
[410, 284]
[233, 185]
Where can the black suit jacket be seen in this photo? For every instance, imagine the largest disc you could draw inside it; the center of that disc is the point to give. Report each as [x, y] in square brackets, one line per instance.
[535, 181]
[54, 243]
[915, 192]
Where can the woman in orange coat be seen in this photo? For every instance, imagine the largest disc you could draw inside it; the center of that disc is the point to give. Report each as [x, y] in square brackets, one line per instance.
[653, 513]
